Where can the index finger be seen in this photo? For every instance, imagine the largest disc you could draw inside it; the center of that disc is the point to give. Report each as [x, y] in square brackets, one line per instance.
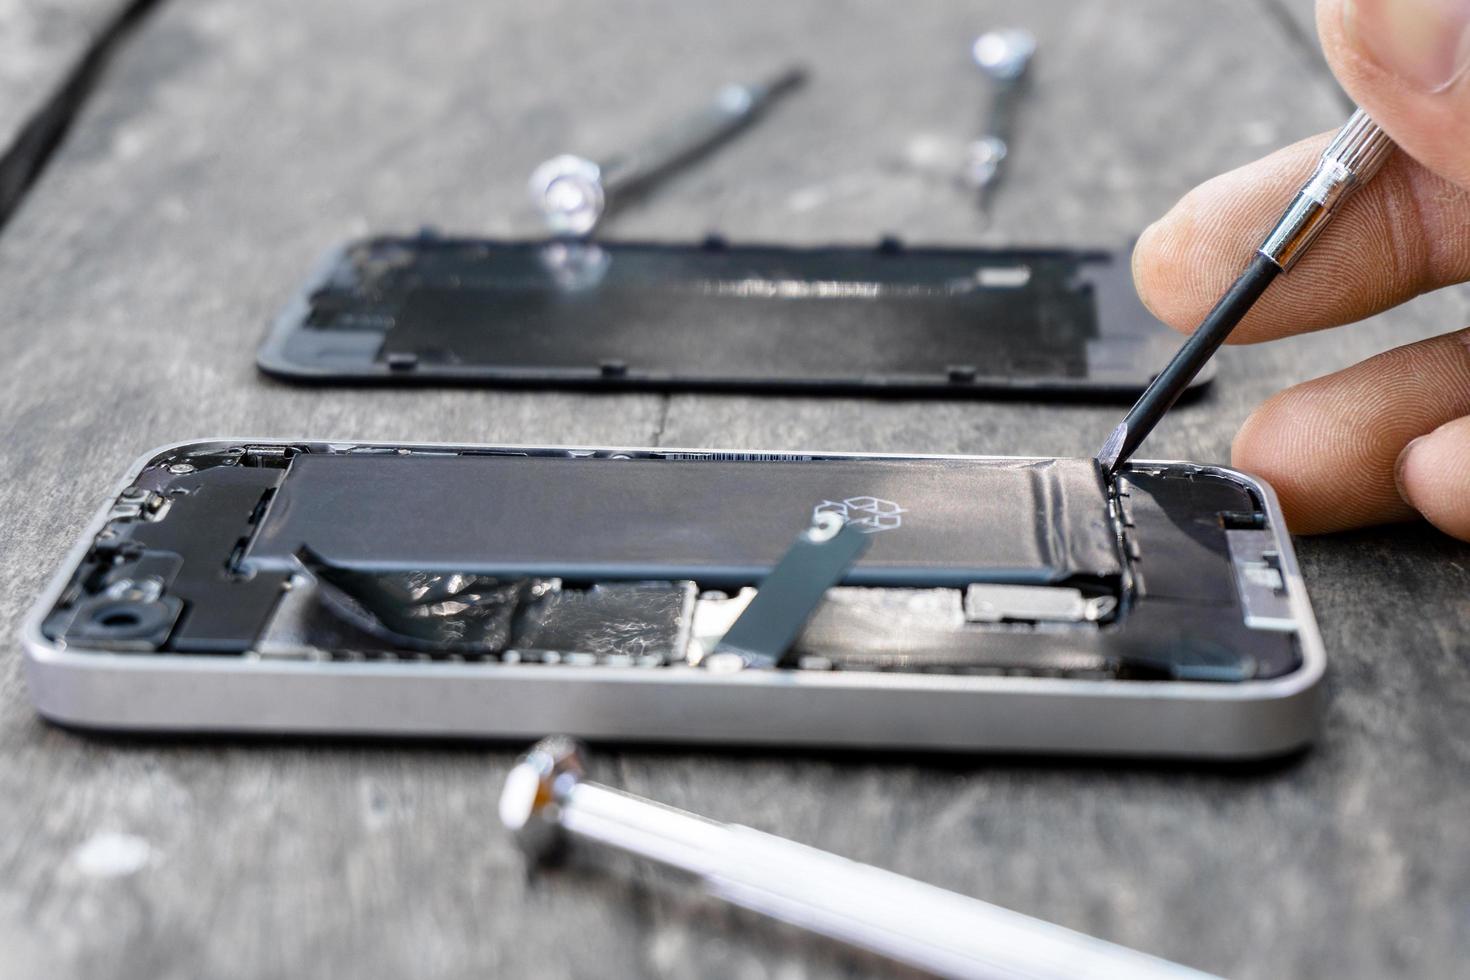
[1404, 233]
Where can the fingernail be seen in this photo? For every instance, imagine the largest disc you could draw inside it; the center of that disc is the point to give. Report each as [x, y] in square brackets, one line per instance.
[1402, 464]
[1424, 42]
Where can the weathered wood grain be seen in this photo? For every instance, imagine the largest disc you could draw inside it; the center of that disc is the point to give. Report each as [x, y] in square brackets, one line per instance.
[40, 41]
[1298, 20]
[49, 52]
[235, 142]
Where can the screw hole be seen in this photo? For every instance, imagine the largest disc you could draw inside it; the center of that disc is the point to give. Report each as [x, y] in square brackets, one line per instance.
[118, 619]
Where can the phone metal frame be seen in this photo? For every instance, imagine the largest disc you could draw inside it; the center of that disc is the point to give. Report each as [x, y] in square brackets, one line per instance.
[174, 692]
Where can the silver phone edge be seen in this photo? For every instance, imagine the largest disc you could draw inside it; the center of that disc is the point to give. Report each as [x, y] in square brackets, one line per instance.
[828, 710]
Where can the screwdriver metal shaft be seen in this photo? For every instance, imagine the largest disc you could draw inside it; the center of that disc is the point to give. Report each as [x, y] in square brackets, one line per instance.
[546, 799]
[1351, 159]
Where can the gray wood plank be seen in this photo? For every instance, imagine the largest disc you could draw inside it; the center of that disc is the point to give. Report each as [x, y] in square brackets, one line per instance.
[40, 40]
[1301, 13]
[235, 142]
[43, 45]
[1298, 20]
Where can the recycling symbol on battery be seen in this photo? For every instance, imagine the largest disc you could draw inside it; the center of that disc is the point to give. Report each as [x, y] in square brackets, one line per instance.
[868, 514]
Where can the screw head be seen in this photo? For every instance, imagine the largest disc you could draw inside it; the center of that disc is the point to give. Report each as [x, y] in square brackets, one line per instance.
[533, 792]
[567, 190]
[1004, 54]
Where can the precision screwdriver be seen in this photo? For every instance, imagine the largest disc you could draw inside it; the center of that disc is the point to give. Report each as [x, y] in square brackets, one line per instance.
[574, 193]
[1005, 58]
[1353, 157]
[547, 801]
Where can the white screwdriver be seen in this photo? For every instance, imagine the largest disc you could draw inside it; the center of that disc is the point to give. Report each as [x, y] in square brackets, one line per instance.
[546, 800]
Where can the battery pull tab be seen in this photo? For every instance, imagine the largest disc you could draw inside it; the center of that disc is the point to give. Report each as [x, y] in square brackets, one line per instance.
[786, 599]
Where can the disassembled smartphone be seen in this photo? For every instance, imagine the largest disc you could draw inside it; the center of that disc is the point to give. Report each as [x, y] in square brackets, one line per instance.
[629, 315]
[1002, 604]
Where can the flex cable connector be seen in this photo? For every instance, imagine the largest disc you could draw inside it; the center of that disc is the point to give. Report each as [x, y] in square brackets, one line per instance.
[1356, 153]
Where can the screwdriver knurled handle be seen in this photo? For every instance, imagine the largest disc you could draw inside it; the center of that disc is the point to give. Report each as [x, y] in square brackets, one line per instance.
[1361, 146]
[1354, 155]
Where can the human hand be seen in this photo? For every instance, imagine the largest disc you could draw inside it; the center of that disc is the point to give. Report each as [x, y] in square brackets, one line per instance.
[1389, 438]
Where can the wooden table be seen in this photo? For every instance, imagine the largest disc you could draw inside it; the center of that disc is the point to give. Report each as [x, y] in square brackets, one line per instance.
[231, 144]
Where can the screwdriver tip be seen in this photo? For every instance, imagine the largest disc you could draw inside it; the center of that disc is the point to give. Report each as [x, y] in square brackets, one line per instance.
[1112, 449]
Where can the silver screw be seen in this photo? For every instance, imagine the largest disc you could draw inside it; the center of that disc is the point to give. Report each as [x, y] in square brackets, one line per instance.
[1004, 56]
[547, 801]
[569, 192]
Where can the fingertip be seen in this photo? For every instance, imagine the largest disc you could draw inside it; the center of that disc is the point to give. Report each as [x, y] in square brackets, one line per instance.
[1337, 449]
[1160, 272]
[1144, 256]
[1433, 476]
[1404, 63]
[1327, 475]
[1263, 447]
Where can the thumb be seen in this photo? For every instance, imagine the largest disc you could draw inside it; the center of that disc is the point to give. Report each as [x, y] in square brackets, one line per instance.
[1407, 63]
